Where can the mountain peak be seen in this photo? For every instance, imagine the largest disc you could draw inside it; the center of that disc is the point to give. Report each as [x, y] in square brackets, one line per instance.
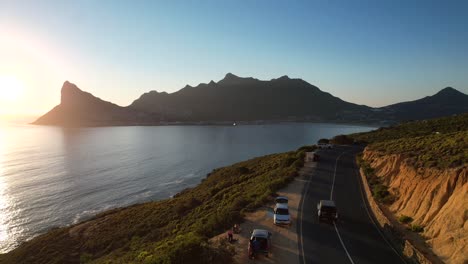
[68, 86]
[284, 77]
[449, 91]
[230, 76]
[69, 92]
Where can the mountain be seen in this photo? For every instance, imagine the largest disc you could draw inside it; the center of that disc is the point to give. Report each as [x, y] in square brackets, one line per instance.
[78, 108]
[245, 99]
[447, 101]
[235, 99]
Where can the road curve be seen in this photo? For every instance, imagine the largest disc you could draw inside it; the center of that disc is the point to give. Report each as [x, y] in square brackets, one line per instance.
[354, 238]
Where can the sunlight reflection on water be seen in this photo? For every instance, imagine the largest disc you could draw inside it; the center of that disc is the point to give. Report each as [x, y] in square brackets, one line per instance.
[3, 196]
[52, 176]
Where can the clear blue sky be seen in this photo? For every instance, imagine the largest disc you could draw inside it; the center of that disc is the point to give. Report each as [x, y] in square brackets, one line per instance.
[367, 52]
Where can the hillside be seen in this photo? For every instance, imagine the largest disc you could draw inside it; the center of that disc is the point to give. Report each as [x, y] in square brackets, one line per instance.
[446, 102]
[243, 99]
[78, 108]
[237, 99]
[170, 231]
[419, 170]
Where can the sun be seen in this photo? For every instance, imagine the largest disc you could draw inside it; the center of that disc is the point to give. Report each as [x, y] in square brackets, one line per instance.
[10, 88]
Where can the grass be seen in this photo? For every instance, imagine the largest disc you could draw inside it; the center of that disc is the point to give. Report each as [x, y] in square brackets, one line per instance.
[439, 143]
[170, 231]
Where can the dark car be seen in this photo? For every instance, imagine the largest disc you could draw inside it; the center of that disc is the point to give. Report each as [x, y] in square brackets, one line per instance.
[263, 238]
[326, 210]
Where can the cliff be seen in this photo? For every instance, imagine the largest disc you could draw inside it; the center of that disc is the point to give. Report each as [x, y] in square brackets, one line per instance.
[435, 198]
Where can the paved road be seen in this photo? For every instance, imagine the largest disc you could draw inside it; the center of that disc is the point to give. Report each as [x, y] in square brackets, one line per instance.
[354, 238]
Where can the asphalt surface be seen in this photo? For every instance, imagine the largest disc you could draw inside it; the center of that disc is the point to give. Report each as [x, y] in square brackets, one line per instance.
[354, 238]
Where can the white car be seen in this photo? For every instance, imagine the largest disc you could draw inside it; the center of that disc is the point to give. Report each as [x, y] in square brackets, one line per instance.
[281, 200]
[281, 214]
[324, 145]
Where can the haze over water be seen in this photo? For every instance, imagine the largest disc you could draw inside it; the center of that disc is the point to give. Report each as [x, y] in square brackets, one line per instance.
[51, 176]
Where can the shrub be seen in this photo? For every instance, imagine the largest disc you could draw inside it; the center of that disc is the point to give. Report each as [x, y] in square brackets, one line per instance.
[308, 148]
[416, 228]
[405, 219]
[342, 140]
[85, 258]
[380, 191]
[324, 140]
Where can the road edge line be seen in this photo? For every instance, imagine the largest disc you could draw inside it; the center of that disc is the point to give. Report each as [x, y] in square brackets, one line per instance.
[372, 218]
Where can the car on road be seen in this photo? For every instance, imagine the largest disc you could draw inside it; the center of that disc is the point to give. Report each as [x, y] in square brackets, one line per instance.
[326, 209]
[324, 145]
[262, 238]
[281, 200]
[281, 214]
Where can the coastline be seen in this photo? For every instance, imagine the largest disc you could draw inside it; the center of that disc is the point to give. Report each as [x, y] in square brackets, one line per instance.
[222, 123]
[193, 214]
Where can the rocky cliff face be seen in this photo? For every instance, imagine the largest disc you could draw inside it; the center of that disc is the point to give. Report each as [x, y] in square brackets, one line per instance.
[436, 199]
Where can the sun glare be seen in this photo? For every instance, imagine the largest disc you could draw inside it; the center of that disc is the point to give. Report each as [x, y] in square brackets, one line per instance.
[10, 88]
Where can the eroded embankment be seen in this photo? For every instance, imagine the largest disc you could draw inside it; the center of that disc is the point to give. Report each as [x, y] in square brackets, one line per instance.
[435, 199]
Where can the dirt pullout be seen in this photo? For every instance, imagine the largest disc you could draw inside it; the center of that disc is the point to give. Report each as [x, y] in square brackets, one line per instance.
[435, 199]
[284, 238]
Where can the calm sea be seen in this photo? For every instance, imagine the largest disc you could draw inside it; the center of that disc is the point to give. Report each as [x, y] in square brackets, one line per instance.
[51, 176]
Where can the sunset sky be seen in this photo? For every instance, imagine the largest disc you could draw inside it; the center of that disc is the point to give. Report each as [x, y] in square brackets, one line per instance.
[365, 52]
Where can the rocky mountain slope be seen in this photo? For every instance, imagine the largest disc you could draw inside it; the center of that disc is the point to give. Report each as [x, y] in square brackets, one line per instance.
[424, 166]
[436, 199]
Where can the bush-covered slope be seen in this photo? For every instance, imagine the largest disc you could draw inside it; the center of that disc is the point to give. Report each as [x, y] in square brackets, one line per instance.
[440, 143]
[170, 231]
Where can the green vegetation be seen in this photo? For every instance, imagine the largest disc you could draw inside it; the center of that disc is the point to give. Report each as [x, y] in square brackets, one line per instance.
[170, 231]
[440, 143]
[416, 228]
[414, 129]
[379, 190]
[404, 219]
[342, 140]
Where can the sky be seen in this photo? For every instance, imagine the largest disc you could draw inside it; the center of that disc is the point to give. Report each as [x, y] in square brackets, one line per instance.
[366, 52]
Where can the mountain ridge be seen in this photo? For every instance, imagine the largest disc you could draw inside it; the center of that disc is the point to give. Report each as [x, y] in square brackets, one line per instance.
[242, 99]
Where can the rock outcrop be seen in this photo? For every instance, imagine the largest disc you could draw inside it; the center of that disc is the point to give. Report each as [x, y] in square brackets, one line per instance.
[436, 199]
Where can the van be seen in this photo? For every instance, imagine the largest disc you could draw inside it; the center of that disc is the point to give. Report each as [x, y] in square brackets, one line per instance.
[326, 209]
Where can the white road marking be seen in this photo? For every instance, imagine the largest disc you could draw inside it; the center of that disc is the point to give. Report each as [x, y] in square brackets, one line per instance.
[300, 222]
[334, 175]
[342, 243]
[331, 196]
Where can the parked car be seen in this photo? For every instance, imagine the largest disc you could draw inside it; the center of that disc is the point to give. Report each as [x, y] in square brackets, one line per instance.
[326, 209]
[262, 239]
[324, 145]
[316, 157]
[281, 214]
[281, 200]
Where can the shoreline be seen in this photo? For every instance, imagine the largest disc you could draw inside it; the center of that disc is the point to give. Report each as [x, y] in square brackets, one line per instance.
[224, 123]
